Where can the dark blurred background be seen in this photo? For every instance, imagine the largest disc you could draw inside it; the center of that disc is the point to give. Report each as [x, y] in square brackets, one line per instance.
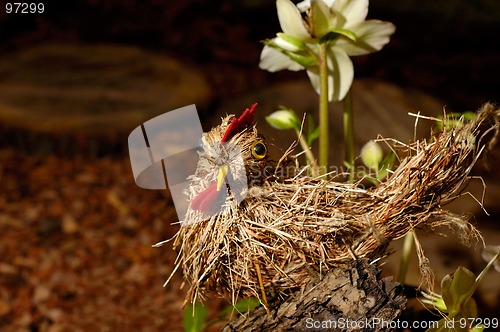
[448, 48]
[76, 232]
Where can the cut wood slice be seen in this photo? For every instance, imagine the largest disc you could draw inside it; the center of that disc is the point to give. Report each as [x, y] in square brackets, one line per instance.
[93, 89]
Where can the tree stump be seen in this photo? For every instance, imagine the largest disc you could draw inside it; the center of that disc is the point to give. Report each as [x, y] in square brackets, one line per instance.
[348, 298]
[64, 95]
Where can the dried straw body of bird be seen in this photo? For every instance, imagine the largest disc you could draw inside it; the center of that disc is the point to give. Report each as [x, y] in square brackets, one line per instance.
[289, 232]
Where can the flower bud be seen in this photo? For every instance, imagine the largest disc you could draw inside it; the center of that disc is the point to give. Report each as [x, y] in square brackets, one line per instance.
[283, 119]
[371, 154]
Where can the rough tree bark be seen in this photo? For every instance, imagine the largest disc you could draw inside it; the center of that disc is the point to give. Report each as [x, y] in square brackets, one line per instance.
[352, 293]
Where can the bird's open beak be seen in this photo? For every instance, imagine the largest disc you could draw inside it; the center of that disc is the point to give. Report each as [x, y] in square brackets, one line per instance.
[221, 176]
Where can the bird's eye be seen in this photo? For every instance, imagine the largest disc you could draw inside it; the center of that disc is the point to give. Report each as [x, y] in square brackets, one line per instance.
[259, 150]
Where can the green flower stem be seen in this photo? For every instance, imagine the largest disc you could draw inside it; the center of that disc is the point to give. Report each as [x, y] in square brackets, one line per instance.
[349, 134]
[405, 257]
[323, 109]
[309, 155]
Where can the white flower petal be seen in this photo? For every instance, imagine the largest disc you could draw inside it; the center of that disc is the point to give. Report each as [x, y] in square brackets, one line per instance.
[306, 4]
[273, 60]
[313, 73]
[321, 18]
[371, 35]
[354, 11]
[340, 75]
[291, 20]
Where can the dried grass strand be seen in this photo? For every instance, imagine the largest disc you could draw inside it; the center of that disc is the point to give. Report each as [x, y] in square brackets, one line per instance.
[299, 228]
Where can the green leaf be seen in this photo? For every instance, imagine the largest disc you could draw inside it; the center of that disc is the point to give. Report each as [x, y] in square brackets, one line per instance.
[243, 305]
[268, 42]
[295, 43]
[389, 160]
[469, 116]
[312, 130]
[194, 318]
[478, 328]
[328, 37]
[336, 33]
[303, 60]
[469, 309]
[454, 120]
[313, 136]
[310, 123]
[457, 290]
[457, 294]
[386, 165]
[347, 164]
[346, 33]
[487, 267]
[247, 304]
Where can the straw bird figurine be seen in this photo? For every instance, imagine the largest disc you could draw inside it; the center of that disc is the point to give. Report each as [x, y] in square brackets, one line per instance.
[254, 229]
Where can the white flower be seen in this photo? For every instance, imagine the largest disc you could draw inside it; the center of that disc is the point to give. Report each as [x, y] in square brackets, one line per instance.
[339, 23]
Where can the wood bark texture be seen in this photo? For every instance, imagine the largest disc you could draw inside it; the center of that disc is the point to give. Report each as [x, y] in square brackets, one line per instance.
[352, 294]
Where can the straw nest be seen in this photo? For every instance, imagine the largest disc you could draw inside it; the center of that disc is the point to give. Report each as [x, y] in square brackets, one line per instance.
[285, 233]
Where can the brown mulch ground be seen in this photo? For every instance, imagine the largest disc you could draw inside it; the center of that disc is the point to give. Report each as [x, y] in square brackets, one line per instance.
[76, 240]
[76, 248]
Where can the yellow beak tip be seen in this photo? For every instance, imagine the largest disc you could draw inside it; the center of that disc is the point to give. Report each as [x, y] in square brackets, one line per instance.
[221, 176]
